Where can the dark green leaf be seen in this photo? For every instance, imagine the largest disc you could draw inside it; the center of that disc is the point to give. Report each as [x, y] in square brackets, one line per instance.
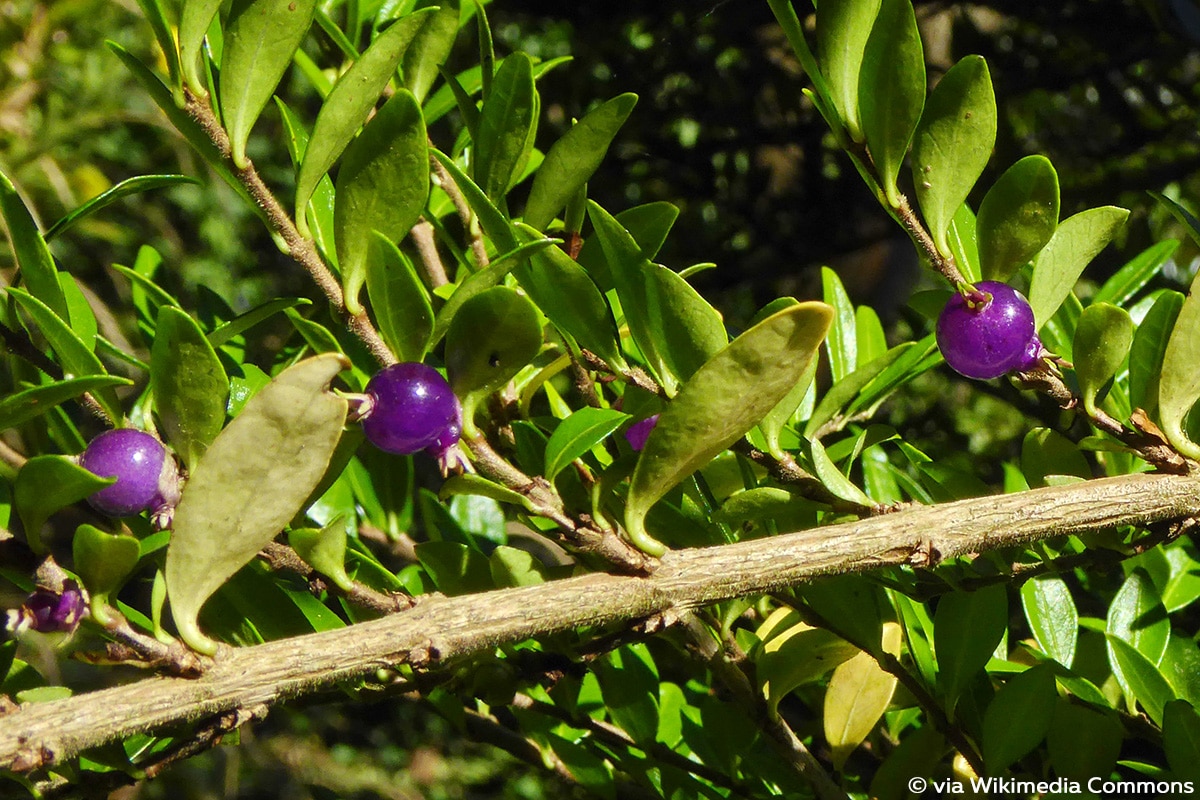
[505, 125]
[1185, 217]
[891, 90]
[721, 402]
[841, 344]
[853, 605]
[381, 186]
[1179, 380]
[483, 280]
[320, 205]
[1137, 617]
[579, 433]
[1018, 718]
[572, 159]
[260, 38]
[26, 404]
[38, 272]
[244, 322]
[953, 144]
[103, 561]
[630, 690]
[191, 389]
[967, 627]
[1181, 739]
[1130, 278]
[195, 17]
[46, 484]
[1017, 217]
[1146, 684]
[494, 223]
[512, 567]
[76, 359]
[1046, 452]
[1050, 611]
[1102, 340]
[688, 329]
[250, 483]
[918, 754]
[399, 299]
[430, 47]
[129, 186]
[842, 30]
[1076, 242]
[455, 568]
[352, 97]
[493, 335]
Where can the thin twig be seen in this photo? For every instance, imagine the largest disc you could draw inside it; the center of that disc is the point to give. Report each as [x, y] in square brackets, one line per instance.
[470, 224]
[281, 557]
[426, 244]
[20, 345]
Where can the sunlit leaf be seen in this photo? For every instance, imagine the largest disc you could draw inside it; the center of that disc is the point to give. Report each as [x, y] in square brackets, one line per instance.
[858, 693]
[842, 30]
[45, 484]
[430, 47]
[1179, 381]
[103, 561]
[127, 187]
[579, 433]
[841, 344]
[1075, 243]
[250, 483]
[1017, 217]
[505, 125]
[492, 336]
[195, 17]
[1102, 340]
[399, 299]
[324, 550]
[1146, 684]
[1137, 617]
[38, 272]
[1130, 278]
[190, 386]
[1050, 611]
[26, 404]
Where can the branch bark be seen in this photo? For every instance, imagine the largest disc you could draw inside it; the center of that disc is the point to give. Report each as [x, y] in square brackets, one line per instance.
[442, 628]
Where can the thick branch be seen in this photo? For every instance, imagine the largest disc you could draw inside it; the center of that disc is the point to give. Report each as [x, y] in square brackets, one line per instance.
[442, 628]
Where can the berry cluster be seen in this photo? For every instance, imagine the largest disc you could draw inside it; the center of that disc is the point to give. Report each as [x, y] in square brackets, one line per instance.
[987, 331]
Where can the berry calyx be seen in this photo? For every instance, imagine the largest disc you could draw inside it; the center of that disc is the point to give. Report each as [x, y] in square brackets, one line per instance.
[987, 330]
[147, 477]
[411, 408]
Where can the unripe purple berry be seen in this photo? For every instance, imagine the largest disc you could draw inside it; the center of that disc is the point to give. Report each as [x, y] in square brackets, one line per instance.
[146, 475]
[412, 408]
[986, 332]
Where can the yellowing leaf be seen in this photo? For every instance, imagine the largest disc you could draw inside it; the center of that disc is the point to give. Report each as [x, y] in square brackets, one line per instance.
[859, 692]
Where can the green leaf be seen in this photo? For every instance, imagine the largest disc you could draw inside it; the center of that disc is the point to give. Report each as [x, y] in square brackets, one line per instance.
[1102, 340]
[191, 389]
[869, 337]
[1146, 684]
[845, 390]
[195, 17]
[953, 144]
[493, 335]
[579, 433]
[1050, 611]
[841, 344]
[629, 687]
[1181, 214]
[250, 483]
[79, 313]
[967, 627]
[1149, 347]
[127, 187]
[831, 477]
[469, 483]
[76, 359]
[891, 90]
[853, 605]
[1017, 217]
[382, 185]
[797, 655]
[1027, 697]
[455, 568]
[721, 402]
[1130, 278]
[858, 694]
[571, 301]
[842, 30]
[572, 159]
[964, 243]
[27, 404]
[103, 561]
[1179, 380]
[512, 567]
[324, 550]
[918, 754]
[494, 223]
[350, 100]
[1046, 452]
[38, 272]
[1181, 739]
[430, 47]
[1137, 617]
[320, 206]
[506, 124]
[244, 322]
[483, 280]
[1058, 266]
[399, 299]
[261, 36]
[688, 329]
[45, 484]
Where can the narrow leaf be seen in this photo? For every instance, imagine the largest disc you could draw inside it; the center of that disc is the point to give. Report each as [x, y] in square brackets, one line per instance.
[579, 433]
[1179, 381]
[38, 272]
[1137, 617]
[400, 301]
[244, 322]
[1050, 611]
[505, 125]
[841, 344]
[891, 90]
[858, 694]
[1077, 241]
[1130, 278]
[1149, 346]
[721, 402]
[260, 38]
[953, 144]
[252, 480]
[381, 186]
[572, 159]
[1017, 217]
[352, 97]
[26, 404]
[1146, 684]
[1102, 340]
[842, 30]
[189, 384]
[127, 187]
[195, 17]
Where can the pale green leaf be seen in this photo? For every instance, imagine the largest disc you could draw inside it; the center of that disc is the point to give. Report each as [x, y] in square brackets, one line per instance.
[1017, 217]
[842, 30]
[1179, 380]
[1075, 243]
[579, 433]
[1102, 340]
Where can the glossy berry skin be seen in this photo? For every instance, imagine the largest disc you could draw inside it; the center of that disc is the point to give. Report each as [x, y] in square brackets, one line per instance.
[136, 460]
[412, 408]
[986, 333]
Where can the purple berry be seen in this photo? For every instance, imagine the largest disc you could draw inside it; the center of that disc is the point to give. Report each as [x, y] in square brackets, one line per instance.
[985, 333]
[412, 408]
[639, 432]
[49, 611]
[138, 461]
